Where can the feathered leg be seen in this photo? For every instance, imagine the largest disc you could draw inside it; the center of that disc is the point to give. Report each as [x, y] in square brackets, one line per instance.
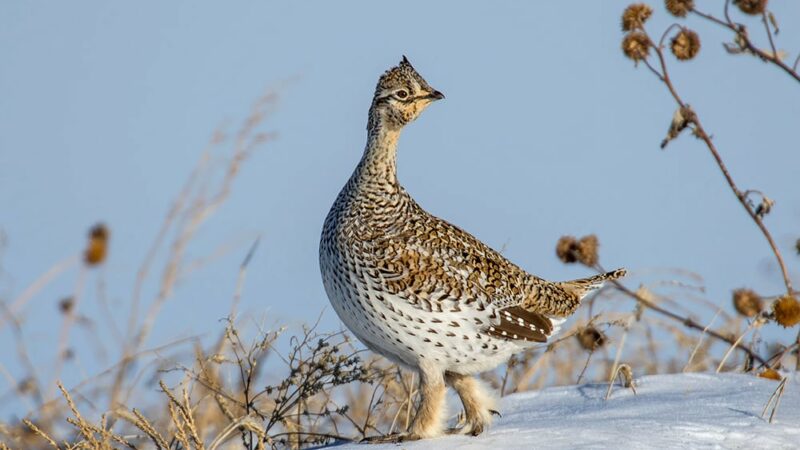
[478, 404]
[429, 419]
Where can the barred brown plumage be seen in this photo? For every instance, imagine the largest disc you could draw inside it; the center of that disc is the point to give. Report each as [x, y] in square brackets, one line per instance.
[421, 291]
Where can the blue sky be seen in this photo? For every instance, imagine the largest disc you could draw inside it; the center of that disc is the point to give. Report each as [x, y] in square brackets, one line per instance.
[546, 130]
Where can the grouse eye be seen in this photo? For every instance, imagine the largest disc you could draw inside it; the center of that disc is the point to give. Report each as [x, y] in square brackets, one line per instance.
[401, 94]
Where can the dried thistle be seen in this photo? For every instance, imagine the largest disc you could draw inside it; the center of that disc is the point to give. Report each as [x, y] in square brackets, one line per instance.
[635, 15]
[685, 44]
[787, 311]
[591, 338]
[679, 8]
[636, 45]
[770, 374]
[564, 249]
[752, 7]
[747, 302]
[97, 249]
[587, 250]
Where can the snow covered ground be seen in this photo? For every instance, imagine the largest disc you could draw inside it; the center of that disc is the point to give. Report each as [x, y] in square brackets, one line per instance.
[669, 411]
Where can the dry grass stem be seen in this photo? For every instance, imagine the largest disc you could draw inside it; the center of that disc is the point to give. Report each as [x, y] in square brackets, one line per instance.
[700, 341]
[615, 366]
[41, 433]
[757, 322]
[774, 401]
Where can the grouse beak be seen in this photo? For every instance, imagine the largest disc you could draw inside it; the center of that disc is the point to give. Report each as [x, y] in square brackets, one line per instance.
[435, 95]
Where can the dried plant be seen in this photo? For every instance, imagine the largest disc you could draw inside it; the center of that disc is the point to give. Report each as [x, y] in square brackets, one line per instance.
[679, 8]
[747, 302]
[635, 15]
[787, 311]
[685, 45]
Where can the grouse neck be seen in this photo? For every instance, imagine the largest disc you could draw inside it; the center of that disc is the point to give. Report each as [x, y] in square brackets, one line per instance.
[379, 163]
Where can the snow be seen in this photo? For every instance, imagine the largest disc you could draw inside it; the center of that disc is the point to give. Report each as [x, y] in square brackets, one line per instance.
[668, 411]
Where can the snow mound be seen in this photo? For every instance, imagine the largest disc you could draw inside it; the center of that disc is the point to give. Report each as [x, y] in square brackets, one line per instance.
[669, 411]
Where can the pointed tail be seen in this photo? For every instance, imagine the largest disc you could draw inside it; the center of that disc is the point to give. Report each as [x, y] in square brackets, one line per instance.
[585, 286]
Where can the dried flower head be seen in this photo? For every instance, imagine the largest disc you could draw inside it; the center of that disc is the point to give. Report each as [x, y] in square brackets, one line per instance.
[679, 8]
[591, 338]
[636, 45]
[685, 44]
[570, 250]
[564, 249]
[752, 7]
[747, 302]
[787, 311]
[587, 250]
[635, 15]
[97, 248]
[770, 374]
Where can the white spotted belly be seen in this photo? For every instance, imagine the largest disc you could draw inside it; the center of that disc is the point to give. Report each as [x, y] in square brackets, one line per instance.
[393, 327]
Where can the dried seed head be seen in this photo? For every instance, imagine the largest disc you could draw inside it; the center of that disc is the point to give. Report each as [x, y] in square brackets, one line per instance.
[635, 15]
[685, 44]
[97, 248]
[787, 311]
[770, 374]
[565, 249]
[747, 302]
[636, 45]
[679, 8]
[752, 7]
[591, 338]
[587, 250]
